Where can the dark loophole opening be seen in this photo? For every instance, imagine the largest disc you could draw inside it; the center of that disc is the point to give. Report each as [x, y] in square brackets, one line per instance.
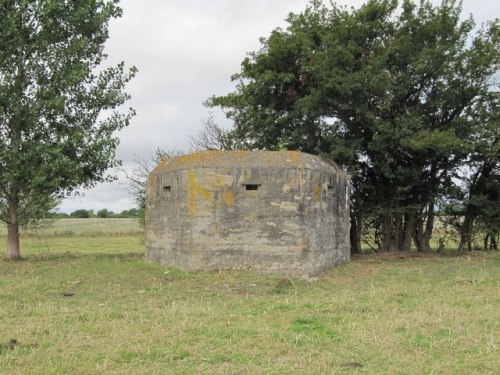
[251, 186]
[166, 189]
[331, 187]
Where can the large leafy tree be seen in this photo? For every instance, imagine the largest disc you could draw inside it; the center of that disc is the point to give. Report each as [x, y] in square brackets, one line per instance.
[478, 198]
[57, 106]
[384, 90]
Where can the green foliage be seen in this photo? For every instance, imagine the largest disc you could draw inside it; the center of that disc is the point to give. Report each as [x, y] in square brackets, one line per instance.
[385, 91]
[53, 92]
[474, 205]
[61, 233]
[82, 214]
[104, 213]
[57, 215]
[131, 213]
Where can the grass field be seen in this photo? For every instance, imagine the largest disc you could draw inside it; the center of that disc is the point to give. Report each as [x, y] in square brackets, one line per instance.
[400, 313]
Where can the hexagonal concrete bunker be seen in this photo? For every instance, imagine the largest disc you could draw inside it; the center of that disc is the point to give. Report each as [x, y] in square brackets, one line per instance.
[280, 211]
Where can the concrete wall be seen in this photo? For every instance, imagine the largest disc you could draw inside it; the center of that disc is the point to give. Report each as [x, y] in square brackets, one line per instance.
[285, 218]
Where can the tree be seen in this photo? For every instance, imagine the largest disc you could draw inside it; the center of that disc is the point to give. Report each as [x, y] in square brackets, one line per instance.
[213, 137]
[128, 214]
[131, 213]
[54, 99]
[385, 94]
[477, 200]
[104, 213]
[81, 214]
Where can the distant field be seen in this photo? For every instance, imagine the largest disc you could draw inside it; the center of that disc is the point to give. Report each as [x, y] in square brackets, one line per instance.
[80, 236]
[400, 313]
[79, 227]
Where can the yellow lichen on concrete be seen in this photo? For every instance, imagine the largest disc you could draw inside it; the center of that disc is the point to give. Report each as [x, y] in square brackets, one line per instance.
[150, 188]
[295, 158]
[299, 248]
[286, 189]
[244, 159]
[228, 198]
[162, 165]
[205, 157]
[219, 180]
[239, 154]
[187, 160]
[316, 190]
[196, 191]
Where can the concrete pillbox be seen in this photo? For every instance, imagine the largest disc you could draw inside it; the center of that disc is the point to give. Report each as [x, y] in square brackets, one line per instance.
[274, 211]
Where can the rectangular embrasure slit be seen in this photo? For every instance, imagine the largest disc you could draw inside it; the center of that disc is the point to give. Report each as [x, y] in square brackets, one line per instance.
[166, 189]
[251, 186]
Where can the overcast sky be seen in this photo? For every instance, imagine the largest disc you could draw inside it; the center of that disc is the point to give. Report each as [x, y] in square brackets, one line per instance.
[186, 51]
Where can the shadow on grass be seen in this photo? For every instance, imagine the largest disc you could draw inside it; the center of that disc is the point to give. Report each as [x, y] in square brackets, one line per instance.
[408, 255]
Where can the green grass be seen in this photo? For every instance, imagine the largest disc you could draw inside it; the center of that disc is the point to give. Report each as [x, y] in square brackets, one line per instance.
[80, 227]
[401, 313]
[80, 236]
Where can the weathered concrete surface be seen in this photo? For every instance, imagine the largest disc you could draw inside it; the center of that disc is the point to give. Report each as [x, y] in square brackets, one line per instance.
[273, 211]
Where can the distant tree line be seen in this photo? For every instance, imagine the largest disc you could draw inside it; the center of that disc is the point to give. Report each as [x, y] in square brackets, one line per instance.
[102, 214]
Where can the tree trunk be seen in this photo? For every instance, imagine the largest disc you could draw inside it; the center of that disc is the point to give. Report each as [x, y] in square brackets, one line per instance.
[493, 243]
[486, 241]
[398, 222]
[466, 233]
[490, 241]
[422, 234]
[417, 230]
[13, 249]
[355, 234]
[389, 237]
[16, 125]
[409, 220]
[429, 227]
